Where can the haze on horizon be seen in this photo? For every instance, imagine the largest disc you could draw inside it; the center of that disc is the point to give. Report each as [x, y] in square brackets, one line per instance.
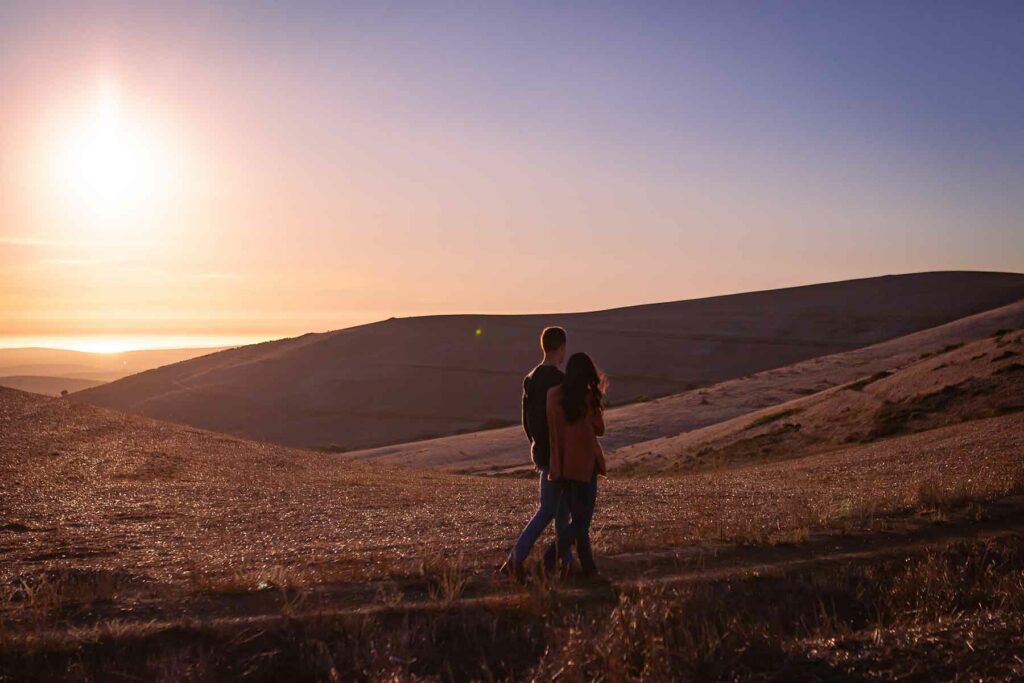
[255, 170]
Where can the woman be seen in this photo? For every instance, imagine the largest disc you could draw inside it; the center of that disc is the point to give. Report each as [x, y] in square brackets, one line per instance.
[575, 420]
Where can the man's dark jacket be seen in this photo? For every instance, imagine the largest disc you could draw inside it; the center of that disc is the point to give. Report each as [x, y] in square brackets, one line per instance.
[535, 410]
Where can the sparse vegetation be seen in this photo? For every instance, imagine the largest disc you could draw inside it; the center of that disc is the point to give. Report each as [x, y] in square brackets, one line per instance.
[334, 448]
[945, 349]
[892, 418]
[446, 576]
[772, 417]
[861, 383]
[822, 621]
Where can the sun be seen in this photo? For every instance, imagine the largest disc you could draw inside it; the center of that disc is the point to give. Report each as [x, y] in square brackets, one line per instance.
[110, 168]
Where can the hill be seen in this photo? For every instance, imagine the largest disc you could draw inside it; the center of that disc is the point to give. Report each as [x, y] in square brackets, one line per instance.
[99, 367]
[503, 450]
[48, 386]
[414, 378]
[958, 383]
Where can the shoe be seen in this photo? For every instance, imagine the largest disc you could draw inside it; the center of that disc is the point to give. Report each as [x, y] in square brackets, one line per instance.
[513, 571]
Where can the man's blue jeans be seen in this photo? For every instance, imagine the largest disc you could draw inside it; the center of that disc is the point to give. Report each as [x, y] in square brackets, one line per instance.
[549, 510]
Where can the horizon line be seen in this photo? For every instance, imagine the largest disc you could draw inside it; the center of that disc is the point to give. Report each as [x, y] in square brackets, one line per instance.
[111, 344]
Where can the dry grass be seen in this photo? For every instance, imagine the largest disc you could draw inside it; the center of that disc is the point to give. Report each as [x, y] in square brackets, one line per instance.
[242, 517]
[251, 526]
[44, 599]
[969, 383]
[861, 383]
[822, 622]
[275, 577]
[446, 575]
[772, 417]
[730, 630]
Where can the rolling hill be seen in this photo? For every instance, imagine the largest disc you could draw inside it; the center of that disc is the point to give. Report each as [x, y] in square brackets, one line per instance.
[414, 378]
[81, 365]
[955, 384]
[504, 450]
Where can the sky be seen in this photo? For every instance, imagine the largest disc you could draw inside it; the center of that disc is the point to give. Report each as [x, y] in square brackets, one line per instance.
[185, 174]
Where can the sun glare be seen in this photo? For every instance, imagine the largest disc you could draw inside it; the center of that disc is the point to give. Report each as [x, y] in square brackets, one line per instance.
[109, 165]
[101, 346]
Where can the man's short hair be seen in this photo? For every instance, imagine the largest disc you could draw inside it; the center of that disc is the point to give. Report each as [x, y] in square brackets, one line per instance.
[552, 339]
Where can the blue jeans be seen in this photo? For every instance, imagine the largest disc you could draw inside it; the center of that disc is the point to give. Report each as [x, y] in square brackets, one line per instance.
[578, 499]
[547, 511]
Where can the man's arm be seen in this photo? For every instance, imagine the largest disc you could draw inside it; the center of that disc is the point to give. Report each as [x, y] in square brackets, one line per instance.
[526, 408]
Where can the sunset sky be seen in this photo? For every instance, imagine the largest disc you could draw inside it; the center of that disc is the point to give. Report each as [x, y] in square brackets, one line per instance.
[197, 174]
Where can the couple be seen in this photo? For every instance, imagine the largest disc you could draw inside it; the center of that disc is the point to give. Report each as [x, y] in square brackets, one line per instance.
[562, 416]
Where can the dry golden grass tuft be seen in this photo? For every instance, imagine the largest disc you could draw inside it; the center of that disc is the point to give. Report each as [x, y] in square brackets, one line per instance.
[446, 575]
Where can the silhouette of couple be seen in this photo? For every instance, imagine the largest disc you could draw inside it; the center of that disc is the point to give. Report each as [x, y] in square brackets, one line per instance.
[563, 417]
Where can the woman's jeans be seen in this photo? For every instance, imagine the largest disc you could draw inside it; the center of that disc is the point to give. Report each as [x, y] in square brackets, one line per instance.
[548, 510]
[578, 499]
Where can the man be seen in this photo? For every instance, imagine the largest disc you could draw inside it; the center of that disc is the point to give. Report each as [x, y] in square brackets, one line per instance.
[535, 423]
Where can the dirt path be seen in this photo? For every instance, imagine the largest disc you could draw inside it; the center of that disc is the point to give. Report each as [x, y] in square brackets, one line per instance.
[901, 536]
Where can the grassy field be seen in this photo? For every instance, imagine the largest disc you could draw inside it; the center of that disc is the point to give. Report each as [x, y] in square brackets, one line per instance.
[872, 529]
[139, 549]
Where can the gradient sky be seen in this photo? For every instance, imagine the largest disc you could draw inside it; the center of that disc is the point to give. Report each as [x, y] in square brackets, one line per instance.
[311, 166]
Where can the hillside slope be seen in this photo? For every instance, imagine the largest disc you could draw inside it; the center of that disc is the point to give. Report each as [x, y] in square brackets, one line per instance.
[405, 379]
[504, 449]
[956, 384]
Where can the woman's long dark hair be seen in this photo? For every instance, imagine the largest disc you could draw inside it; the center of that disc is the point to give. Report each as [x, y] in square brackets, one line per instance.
[582, 381]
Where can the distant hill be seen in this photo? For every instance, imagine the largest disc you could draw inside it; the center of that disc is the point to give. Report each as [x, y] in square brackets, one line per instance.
[101, 367]
[414, 378]
[48, 386]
